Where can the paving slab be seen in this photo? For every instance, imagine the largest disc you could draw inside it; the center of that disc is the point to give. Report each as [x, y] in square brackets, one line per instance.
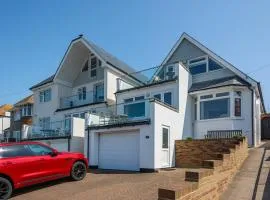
[244, 182]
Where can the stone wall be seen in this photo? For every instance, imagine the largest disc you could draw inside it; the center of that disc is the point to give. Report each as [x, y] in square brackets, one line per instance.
[220, 159]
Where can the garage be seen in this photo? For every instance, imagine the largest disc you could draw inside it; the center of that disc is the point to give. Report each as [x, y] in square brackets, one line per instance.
[119, 151]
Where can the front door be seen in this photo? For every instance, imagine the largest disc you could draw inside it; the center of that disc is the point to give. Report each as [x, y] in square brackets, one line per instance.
[165, 155]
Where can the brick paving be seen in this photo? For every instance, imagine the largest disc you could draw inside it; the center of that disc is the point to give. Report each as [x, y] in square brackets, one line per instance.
[109, 185]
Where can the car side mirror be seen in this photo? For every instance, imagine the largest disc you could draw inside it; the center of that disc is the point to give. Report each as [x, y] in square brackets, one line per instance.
[54, 153]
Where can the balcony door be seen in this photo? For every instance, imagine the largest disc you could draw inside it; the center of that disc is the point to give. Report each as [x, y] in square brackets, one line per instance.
[99, 92]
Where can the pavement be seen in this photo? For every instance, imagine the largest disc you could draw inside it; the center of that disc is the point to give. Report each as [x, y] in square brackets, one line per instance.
[244, 183]
[105, 185]
[263, 187]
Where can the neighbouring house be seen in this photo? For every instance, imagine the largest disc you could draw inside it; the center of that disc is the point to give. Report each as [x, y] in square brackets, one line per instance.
[21, 118]
[193, 93]
[265, 121]
[84, 82]
[4, 119]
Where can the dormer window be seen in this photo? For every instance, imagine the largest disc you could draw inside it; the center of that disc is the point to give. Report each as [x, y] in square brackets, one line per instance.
[85, 67]
[202, 65]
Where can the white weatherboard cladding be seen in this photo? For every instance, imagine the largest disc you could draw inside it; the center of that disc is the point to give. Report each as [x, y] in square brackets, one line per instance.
[119, 151]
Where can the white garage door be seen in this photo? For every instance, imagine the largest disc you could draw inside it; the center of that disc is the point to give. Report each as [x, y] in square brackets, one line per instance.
[119, 151]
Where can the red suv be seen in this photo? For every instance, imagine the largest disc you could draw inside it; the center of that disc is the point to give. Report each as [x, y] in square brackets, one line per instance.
[27, 163]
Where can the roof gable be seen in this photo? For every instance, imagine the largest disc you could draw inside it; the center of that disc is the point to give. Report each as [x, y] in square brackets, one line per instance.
[203, 48]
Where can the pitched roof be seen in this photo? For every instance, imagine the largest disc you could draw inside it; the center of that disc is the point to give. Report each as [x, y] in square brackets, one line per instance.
[47, 80]
[26, 100]
[227, 81]
[115, 62]
[5, 108]
[107, 57]
[219, 59]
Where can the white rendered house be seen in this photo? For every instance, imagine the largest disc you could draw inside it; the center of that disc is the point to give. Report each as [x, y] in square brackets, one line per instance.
[84, 82]
[193, 93]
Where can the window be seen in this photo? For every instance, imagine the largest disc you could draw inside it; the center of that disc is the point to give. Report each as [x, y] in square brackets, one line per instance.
[26, 110]
[165, 138]
[139, 98]
[128, 100]
[99, 92]
[82, 93]
[14, 151]
[168, 98]
[213, 65]
[223, 94]
[217, 108]
[85, 67]
[93, 72]
[237, 107]
[45, 96]
[198, 69]
[39, 150]
[198, 65]
[206, 96]
[202, 65]
[135, 109]
[45, 122]
[157, 96]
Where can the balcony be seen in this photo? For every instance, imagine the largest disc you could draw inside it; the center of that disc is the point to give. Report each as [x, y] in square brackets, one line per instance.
[81, 99]
[124, 113]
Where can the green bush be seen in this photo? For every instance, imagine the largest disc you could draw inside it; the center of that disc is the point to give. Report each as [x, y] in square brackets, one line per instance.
[189, 138]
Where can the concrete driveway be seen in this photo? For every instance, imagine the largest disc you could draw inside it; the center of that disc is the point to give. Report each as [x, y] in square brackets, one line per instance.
[105, 185]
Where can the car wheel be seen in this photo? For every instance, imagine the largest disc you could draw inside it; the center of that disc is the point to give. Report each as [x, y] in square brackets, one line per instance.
[78, 171]
[5, 188]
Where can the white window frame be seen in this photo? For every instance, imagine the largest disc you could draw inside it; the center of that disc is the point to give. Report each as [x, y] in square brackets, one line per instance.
[81, 91]
[229, 96]
[207, 58]
[162, 96]
[42, 95]
[134, 102]
[90, 66]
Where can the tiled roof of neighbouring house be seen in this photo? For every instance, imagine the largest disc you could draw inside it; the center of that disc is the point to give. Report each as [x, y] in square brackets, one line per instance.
[227, 81]
[26, 100]
[5, 108]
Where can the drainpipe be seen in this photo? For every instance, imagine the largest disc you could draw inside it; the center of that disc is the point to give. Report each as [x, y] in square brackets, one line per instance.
[88, 136]
[252, 116]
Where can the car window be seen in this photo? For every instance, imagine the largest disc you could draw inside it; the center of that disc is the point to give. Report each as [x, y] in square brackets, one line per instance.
[40, 150]
[14, 151]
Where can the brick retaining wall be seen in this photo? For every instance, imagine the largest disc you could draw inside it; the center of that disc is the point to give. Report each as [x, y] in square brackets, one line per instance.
[222, 157]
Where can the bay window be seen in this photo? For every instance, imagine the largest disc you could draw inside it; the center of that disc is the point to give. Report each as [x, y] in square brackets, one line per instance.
[218, 105]
[216, 108]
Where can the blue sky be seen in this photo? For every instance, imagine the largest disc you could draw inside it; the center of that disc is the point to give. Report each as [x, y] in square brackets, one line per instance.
[34, 35]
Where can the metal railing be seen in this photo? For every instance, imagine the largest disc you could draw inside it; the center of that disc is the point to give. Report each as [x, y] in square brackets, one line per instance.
[119, 113]
[80, 99]
[153, 75]
[223, 134]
